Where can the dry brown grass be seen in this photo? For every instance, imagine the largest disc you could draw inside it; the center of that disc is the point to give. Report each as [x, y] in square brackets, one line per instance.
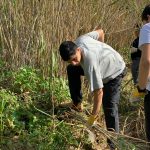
[31, 30]
[98, 133]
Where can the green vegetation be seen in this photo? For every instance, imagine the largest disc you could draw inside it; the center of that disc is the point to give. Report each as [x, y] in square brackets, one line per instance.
[20, 118]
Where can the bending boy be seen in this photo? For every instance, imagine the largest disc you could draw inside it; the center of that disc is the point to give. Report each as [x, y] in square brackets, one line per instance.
[104, 69]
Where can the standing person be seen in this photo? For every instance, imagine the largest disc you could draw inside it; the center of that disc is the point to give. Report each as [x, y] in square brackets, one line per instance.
[135, 55]
[104, 69]
[144, 69]
[143, 87]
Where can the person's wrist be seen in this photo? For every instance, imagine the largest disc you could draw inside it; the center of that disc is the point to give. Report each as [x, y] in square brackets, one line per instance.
[94, 116]
[141, 90]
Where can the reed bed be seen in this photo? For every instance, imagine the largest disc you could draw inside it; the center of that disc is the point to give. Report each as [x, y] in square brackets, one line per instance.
[31, 30]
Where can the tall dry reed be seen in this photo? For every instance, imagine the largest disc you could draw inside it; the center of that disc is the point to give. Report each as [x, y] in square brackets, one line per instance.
[31, 29]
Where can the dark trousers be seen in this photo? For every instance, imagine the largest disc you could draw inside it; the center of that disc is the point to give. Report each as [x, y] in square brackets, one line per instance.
[74, 79]
[135, 69]
[147, 115]
[111, 96]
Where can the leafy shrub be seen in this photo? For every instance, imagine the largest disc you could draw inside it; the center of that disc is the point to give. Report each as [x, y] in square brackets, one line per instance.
[60, 89]
[45, 136]
[27, 79]
[8, 105]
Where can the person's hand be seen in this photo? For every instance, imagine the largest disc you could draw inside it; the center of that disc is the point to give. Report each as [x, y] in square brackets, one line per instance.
[137, 94]
[92, 119]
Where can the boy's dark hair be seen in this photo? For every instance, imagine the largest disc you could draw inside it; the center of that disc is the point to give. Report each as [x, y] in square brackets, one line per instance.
[67, 49]
[146, 12]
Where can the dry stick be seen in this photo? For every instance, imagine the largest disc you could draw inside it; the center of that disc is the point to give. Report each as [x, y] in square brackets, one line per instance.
[80, 142]
[32, 30]
[113, 3]
[6, 38]
[126, 83]
[43, 112]
[105, 132]
[51, 73]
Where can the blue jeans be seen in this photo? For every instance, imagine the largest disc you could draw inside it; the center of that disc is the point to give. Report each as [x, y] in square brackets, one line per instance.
[111, 96]
[147, 115]
[135, 69]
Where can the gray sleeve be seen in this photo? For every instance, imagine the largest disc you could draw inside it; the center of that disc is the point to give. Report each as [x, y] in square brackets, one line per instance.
[93, 75]
[93, 34]
[95, 80]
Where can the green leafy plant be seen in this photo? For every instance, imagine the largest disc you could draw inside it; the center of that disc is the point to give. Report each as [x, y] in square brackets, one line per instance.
[26, 79]
[8, 104]
[60, 89]
[47, 137]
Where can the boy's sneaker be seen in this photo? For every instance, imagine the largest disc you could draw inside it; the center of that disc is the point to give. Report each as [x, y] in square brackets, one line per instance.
[77, 107]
